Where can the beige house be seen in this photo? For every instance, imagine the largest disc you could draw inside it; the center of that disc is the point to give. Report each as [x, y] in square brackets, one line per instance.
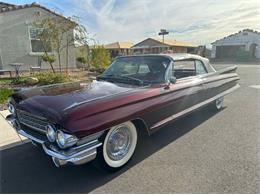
[18, 37]
[119, 48]
[155, 46]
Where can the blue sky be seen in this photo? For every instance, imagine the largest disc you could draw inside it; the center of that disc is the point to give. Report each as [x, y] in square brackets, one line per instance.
[198, 21]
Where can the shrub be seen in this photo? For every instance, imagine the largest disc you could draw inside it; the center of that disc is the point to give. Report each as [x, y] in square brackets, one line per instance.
[100, 57]
[4, 94]
[47, 78]
[81, 60]
[19, 80]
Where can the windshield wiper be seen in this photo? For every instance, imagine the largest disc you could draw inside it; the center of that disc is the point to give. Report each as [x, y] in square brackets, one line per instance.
[119, 77]
[132, 78]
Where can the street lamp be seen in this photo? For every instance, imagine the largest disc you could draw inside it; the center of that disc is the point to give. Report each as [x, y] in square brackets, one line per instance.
[163, 32]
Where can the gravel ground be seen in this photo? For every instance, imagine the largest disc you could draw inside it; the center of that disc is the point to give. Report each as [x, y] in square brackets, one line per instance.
[205, 152]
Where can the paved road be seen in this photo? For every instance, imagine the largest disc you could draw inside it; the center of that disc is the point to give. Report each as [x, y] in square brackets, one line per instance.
[205, 152]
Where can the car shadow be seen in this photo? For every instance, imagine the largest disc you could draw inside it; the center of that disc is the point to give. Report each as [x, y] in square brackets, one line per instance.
[26, 169]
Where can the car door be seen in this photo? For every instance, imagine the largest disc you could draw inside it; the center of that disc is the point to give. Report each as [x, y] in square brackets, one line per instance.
[189, 85]
[181, 96]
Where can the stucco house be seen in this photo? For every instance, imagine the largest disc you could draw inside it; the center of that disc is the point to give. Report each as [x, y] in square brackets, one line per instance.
[119, 48]
[156, 45]
[231, 47]
[18, 37]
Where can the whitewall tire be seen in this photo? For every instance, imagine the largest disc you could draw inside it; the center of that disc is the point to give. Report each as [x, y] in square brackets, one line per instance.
[118, 146]
[219, 103]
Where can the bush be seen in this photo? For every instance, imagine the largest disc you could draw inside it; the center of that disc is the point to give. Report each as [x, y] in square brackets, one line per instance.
[100, 57]
[81, 60]
[4, 94]
[19, 80]
[47, 78]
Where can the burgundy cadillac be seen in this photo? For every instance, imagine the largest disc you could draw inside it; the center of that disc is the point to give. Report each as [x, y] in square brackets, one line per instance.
[76, 122]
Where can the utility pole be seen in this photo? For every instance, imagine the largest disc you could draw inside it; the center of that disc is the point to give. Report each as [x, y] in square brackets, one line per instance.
[163, 32]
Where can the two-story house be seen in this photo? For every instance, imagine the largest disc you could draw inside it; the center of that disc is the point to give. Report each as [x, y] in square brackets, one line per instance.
[18, 37]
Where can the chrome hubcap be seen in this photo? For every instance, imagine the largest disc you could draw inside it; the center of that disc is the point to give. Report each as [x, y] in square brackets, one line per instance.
[219, 102]
[119, 143]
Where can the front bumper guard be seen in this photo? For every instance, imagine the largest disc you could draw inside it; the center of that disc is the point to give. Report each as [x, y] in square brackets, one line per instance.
[75, 155]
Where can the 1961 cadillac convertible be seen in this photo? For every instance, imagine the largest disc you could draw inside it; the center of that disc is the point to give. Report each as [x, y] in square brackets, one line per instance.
[77, 122]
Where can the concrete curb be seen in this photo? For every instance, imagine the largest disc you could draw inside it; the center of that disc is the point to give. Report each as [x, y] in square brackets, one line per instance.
[8, 136]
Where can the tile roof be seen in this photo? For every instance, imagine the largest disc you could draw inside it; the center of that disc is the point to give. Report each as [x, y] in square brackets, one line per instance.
[167, 42]
[7, 7]
[119, 45]
[174, 42]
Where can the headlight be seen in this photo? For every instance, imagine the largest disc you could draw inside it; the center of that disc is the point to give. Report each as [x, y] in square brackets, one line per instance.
[50, 133]
[65, 140]
[11, 107]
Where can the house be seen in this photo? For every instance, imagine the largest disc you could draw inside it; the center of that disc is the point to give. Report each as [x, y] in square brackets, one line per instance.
[244, 43]
[155, 45]
[18, 37]
[119, 48]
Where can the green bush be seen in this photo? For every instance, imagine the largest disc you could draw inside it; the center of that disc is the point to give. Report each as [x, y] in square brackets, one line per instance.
[4, 94]
[100, 57]
[19, 80]
[82, 60]
[47, 78]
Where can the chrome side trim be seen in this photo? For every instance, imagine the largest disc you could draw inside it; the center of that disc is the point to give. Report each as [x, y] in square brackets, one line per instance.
[192, 108]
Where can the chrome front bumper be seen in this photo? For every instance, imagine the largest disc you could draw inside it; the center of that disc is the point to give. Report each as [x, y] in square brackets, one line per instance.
[75, 155]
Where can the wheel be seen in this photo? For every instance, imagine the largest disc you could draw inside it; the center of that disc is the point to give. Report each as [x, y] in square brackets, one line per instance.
[118, 147]
[219, 103]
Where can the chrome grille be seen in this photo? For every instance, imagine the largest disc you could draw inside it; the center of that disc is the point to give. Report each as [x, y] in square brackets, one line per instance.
[34, 122]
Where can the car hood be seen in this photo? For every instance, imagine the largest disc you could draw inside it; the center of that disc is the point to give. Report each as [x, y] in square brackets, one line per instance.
[56, 101]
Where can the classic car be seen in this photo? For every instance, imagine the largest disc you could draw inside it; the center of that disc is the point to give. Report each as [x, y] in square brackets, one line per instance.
[78, 122]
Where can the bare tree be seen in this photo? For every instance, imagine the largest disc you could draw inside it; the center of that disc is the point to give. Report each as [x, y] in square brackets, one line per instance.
[61, 34]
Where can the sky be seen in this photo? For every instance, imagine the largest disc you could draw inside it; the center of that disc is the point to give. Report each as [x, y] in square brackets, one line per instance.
[198, 21]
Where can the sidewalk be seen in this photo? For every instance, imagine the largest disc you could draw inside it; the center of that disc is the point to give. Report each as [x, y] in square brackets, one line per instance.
[8, 136]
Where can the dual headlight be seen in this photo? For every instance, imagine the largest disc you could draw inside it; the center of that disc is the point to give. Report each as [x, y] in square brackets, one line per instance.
[11, 107]
[63, 140]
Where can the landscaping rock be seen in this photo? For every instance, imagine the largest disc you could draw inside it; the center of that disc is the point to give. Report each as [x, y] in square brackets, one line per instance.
[32, 81]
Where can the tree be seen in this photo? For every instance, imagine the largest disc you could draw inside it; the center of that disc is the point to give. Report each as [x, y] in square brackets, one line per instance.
[61, 33]
[100, 57]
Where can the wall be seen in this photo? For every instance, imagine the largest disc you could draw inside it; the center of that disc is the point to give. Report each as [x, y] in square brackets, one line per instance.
[15, 45]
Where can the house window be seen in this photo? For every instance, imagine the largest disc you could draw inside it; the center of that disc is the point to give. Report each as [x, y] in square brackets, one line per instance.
[36, 44]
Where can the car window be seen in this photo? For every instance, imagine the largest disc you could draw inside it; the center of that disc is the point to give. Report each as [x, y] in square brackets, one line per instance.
[184, 64]
[200, 69]
[184, 68]
[143, 68]
[149, 69]
[128, 68]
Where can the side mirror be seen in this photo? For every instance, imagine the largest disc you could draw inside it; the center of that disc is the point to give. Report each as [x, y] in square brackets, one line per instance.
[173, 80]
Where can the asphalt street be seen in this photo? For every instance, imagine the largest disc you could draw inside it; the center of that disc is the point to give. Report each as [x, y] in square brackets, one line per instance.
[205, 152]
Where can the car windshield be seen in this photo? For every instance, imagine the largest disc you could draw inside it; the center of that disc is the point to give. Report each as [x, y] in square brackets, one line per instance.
[137, 70]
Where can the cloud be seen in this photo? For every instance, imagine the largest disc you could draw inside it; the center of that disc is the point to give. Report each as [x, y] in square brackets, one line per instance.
[198, 21]
[201, 22]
